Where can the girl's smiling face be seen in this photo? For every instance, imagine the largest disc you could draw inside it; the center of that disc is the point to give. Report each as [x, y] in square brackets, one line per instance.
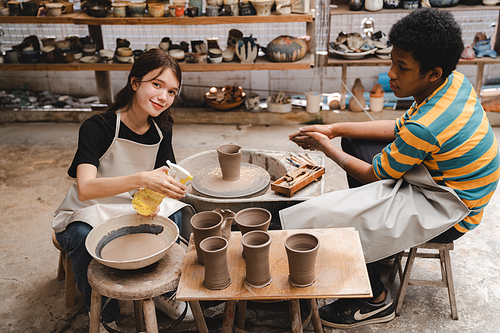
[155, 93]
[406, 80]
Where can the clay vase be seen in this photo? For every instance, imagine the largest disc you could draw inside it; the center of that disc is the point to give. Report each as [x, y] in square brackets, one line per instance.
[256, 247]
[228, 218]
[246, 49]
[286, 49]
[357, 91]
[253, 218]
[229, 161]
[214, 251]
[205, 224]
[301, 250]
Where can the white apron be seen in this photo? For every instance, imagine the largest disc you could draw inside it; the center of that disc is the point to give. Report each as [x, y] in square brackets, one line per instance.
[123, 157]
[390, 215]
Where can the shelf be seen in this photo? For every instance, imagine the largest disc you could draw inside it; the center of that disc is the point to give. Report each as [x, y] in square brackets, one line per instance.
[201, 20]
[64, 18]
[374, 61]
[260, 64]
[343, 9]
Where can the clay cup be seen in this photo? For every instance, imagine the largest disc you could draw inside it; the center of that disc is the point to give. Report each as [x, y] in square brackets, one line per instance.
[156, 9]
[205, 224]
[256, 247]
[214, 251]
[229, 161]
[301, 250]
[253, 218]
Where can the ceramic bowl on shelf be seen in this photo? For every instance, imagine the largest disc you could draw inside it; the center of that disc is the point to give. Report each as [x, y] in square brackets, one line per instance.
[443, 3]
[224, 106]
[106, 54]
[126, 60]
[124, 51]
[225, 98]
[353, 55]
[89, 59]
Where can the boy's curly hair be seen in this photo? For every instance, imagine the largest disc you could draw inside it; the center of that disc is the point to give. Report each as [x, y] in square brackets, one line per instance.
[432, 36]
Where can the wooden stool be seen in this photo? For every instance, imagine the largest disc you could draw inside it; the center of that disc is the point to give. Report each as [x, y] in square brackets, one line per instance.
[65, 272]
[139, 285]
[446, 275]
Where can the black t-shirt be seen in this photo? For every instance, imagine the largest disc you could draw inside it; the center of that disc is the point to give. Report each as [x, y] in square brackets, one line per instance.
[96, 135]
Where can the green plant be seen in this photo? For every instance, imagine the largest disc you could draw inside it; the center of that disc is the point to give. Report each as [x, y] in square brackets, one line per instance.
[22, 94]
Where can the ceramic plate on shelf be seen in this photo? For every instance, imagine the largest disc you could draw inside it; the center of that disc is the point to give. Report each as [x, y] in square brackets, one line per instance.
[89, 59]
[352, 55]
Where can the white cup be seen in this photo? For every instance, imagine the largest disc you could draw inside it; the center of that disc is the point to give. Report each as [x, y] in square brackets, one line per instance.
[313, 98]
[377, 103]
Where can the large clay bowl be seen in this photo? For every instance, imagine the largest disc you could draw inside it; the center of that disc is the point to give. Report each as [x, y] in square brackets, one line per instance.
[125, 225]
[225, 106]
[252, 218]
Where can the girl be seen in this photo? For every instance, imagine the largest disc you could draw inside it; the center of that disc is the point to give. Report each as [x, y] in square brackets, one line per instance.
[118, 152]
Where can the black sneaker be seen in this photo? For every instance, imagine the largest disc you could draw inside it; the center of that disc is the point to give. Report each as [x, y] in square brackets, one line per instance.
[352, 312]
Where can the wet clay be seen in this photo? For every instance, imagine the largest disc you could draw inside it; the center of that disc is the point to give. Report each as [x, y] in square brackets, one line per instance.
[133, 247]
[253, 218]
[228, 218]
[256, 246]
[216, 269]
[301, 250]
[205, 224]
[229, 161]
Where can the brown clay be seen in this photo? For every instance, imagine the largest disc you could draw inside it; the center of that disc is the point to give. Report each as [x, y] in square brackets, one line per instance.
[205, 224]
[301, 250]
[214, 251]
[357, 90]
[133, 247]
[228, 216]
[229, 161]
[253, 218]
[256, 246]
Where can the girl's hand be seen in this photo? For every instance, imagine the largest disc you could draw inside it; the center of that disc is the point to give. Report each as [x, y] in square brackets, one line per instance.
[158, 181]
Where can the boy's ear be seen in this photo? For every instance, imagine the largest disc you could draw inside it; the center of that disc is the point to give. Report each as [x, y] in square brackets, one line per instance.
[435, 74]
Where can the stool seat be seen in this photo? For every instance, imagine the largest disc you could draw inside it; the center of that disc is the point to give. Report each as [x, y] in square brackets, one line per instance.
[137, 285]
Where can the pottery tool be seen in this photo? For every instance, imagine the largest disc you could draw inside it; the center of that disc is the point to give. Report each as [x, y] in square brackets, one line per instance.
[297, 179]
[292, 162]
[308, 159]
[298, 160]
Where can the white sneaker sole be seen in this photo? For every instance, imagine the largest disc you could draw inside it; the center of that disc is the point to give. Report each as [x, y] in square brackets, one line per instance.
[361, 323]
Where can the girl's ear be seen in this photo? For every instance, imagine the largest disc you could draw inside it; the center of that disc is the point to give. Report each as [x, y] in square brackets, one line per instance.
[134, 82]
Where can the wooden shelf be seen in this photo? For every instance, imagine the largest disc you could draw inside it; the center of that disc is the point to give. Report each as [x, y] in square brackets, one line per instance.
[64, 18]
[261, 63]
[343, 9]
[371, 60]
[201, 20]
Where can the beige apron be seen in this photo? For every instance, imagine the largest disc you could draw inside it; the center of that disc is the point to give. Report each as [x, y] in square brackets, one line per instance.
[390, 215]
[123, 157]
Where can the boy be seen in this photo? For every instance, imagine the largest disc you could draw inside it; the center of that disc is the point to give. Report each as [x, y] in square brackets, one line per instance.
[445, 129]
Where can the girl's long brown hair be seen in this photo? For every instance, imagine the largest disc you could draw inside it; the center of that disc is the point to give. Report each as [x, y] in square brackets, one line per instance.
[147, 62]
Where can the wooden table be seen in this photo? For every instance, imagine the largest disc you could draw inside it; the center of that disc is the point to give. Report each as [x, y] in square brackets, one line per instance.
[340, 273]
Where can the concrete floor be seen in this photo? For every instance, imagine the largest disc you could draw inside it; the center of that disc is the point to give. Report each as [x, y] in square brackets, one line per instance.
[33, 181]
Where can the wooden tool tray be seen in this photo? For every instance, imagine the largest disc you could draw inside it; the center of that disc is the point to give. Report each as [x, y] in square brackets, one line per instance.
[297, 179]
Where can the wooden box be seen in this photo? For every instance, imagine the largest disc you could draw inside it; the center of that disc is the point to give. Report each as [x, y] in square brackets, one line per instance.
[302, 176]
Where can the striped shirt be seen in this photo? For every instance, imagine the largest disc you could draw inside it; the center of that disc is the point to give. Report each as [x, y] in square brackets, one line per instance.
[450, 134]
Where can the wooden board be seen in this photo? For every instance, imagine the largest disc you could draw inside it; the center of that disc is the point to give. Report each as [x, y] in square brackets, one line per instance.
[312, 173]
[340, 270]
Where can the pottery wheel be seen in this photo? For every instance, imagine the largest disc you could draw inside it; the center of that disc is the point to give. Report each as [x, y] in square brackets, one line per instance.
[253, 179]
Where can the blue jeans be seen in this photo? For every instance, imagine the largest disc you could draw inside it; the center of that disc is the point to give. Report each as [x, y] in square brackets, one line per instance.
[72, 240]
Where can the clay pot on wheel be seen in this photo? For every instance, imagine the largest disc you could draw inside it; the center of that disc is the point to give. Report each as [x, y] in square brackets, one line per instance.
[229, 161]
[301, 250]
[214, 251]
[256, 247]
[204, 225]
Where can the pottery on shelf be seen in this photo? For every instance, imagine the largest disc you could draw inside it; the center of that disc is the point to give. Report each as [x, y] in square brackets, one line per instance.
[246, 49]
[263, 7]
[357, 91]
[253, 218]
[374, 5]
[229, 161]
[286, 49]
[256, 247]
[205, 224]
[214, 251]
[302, 250]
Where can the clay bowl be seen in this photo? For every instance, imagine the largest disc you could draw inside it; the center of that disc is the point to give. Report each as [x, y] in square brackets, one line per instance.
[224, 106]
[124, 51]
[126, 225]
[253, 218]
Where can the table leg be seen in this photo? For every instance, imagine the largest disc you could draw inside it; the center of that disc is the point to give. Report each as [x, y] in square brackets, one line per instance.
[139, 317]
[228, 321]
[242, 309]
[295, 316]
[95, 311]
[148, 307]
[201, 325]
[318, 327]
